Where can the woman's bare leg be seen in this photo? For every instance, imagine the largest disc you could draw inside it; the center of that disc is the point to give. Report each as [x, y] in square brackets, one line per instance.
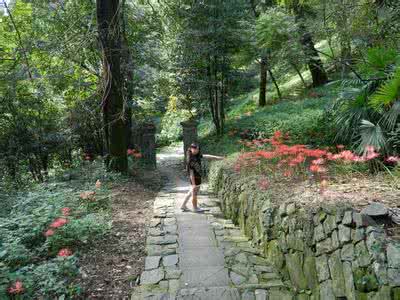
[187, 197]
[194, 195]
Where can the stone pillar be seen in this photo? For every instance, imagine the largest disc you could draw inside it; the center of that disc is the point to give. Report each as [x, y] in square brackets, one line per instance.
[148, 145]
[189, 134]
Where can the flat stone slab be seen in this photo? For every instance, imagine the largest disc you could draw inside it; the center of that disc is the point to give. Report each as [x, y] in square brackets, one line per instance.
[152, 276]
[152, 262]
[162, 240]
[218, 293]
[204, 277]
[201, 257]
[170, 260]
[375, 210]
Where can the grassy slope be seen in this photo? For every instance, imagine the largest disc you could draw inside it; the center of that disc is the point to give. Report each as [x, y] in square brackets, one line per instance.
[300, 114]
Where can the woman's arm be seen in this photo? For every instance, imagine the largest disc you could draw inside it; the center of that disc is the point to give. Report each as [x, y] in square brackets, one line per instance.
[213, 156]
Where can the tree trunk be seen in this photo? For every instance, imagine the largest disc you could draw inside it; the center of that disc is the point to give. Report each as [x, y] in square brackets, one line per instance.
[345, 57]
[318, 74]
[127, 68]
[109, 34]
[299, 73]
[262, 98]
[275, 83]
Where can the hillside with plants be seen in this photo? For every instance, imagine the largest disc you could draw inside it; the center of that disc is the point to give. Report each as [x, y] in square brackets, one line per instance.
[303, 95]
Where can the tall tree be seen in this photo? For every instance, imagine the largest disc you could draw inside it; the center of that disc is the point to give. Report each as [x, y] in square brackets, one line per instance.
[258, 8]
[108, 16]
[318, 73]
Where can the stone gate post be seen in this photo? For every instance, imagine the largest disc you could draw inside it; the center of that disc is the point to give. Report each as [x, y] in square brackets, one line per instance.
[189, 134]
[148, 144]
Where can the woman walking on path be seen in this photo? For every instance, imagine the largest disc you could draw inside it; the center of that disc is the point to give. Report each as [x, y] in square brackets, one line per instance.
[193, 167]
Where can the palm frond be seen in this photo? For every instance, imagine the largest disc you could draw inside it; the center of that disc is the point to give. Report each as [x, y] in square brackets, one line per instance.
[390, 118]
[387, 93]
[371, 135]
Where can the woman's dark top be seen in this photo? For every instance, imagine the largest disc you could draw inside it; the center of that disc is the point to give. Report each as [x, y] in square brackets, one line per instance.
[194, 164]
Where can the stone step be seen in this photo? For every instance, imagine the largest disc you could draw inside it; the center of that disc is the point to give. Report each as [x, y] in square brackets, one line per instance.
[209, 293]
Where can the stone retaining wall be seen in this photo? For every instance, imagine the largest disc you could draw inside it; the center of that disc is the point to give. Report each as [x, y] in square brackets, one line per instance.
[327, 252]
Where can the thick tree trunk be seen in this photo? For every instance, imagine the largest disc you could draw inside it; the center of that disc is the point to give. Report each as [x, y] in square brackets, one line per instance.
[262, 98]
[318, 74]
[109, 33]
[127, 68]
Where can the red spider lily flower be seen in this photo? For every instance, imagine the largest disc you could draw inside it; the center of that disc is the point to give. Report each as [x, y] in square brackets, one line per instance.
[319, 161]
[65, 211]
[59, 222]
[317, 153]
[370, 153]
[347, 155]
[263, 183]
[392, 159]
[317, 169]
[16, 288]
[64, 252]
[297, 160]
[49, 232]
[288, 173]
[370, 149]
[266, 154]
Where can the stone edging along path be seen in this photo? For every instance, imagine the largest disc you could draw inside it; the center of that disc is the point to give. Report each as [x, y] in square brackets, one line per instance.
[201, 256]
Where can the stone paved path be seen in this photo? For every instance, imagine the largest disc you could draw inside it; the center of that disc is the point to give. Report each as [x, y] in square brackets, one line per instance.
[200, 256]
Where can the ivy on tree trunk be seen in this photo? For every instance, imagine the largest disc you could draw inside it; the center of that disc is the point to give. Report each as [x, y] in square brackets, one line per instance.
[112, 103]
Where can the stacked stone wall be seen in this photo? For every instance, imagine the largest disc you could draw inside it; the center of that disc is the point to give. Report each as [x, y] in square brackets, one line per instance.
[326, 251]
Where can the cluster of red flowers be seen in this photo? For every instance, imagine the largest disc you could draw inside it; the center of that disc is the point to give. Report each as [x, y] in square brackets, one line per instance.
[287, 159]
[134, 153]
[65, 252]
[16, 288]
[58, 222]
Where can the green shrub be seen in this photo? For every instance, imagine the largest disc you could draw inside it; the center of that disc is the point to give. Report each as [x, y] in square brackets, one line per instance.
[28, 252]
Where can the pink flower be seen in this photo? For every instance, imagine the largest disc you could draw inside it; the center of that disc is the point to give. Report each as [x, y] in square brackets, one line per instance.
[49, 232]
[340, 146]
[288, 173]
[64, 252]
[65, 211]
[58, 222]
[16, 288]
[129, 151]
[319, 161]
[393, 159]
[317, 169]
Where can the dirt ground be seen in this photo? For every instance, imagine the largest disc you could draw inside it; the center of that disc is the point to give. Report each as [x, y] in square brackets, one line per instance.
[110, 269]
